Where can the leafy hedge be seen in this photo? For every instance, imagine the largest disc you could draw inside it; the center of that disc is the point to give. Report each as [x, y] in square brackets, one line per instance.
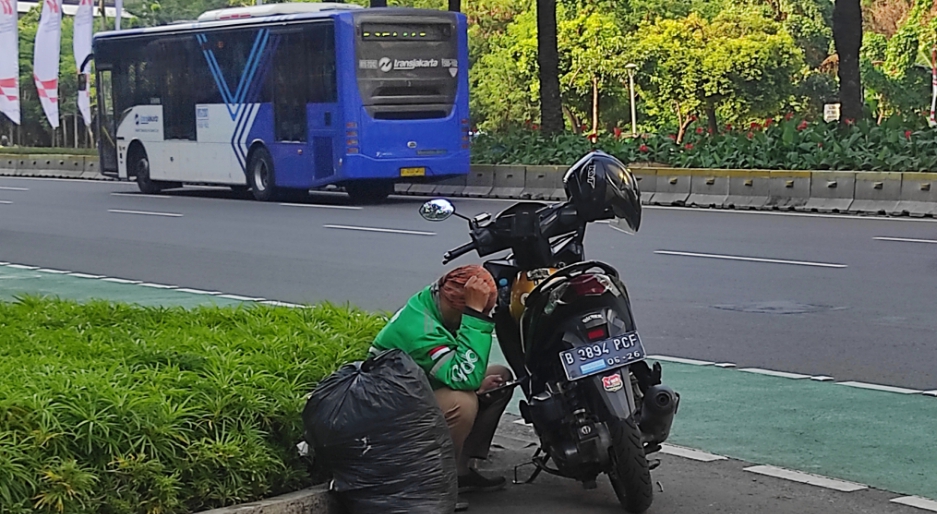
[786, 144]
[113, 409]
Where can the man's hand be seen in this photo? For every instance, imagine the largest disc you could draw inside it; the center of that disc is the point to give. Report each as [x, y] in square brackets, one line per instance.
[490, 382]
[476, 294]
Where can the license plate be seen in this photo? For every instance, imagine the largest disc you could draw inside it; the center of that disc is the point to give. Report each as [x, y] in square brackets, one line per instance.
[605, 355]
[412, 172]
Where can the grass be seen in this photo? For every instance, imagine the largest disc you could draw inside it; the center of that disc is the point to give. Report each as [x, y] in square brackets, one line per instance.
[26, 150]
[111, 408]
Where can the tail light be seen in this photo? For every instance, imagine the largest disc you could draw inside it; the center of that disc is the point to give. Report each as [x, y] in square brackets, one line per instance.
[597, 333]
[589, 285]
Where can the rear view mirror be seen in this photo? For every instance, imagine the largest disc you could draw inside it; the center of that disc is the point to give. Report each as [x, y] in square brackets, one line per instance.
[439, 209]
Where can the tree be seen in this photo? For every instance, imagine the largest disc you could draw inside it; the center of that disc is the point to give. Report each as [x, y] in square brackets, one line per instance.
[548, 60]
[595, 52]
[847, 36]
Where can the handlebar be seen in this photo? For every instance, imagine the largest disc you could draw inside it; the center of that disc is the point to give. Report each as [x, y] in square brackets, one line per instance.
[455, 253]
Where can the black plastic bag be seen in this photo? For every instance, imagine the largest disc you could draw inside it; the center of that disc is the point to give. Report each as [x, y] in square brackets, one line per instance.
[376, 428]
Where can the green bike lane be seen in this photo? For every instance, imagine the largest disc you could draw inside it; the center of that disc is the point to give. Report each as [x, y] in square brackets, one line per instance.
[885, 440]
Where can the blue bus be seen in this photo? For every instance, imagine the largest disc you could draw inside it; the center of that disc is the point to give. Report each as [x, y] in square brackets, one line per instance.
[283, 98]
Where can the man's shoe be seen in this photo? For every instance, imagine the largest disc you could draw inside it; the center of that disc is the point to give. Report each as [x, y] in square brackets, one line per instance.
[474, 482]
[461, 504]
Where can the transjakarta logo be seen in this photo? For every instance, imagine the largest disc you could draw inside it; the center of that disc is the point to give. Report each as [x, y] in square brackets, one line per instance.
[386, 64]
[145, 120]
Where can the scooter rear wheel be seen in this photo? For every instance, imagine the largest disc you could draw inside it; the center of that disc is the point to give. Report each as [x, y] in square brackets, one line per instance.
[630, 475]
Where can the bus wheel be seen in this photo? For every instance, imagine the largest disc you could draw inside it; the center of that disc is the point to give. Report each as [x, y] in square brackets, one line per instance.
[260, 176]
[369, 192]
[140, 165]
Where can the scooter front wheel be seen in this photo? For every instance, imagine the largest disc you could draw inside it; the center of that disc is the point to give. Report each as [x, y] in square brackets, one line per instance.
[630, 475]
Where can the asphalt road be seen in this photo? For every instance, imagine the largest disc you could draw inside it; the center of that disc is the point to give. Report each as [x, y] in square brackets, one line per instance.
[872, 320]
[825, 298]
[682, 486]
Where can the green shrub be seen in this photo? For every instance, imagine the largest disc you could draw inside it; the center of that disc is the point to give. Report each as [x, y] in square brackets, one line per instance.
[896, 145]
[113, 409]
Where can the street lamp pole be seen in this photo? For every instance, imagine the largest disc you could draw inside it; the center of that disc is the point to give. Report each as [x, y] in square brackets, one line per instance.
[634, 122]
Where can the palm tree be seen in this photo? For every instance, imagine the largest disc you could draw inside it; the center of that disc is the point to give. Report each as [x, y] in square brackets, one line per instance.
[548, 60]
[847, 36]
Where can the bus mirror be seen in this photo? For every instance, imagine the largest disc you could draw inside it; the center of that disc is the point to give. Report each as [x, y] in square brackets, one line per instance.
[439, 209]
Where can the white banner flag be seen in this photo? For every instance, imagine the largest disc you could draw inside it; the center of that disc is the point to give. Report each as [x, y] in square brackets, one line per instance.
[46, 59]
[9, 61]
[84, 23]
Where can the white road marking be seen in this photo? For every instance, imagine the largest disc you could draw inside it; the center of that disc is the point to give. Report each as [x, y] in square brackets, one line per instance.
[680, 360]
[793, 214]
[322, 206]
[806, 478]
[689, 453]
[146, 213]
[281, 304]
[85, 275]
[6, 188]
[121, 280]
[930, 393]
[905, 240]
[140, 195]
[613, 227]
[822, 378]
[381, 230]
[4, 263]
[916, 501]
[5, 202]
[879, 387]
[157, 286]
[22, 266]
[53, 271]
[241, 298]
[725, 365]
[750, 259]
[197, 291]
[772, 373]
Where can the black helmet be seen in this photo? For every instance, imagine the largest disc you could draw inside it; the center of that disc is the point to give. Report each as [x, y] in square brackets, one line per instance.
[601, 187]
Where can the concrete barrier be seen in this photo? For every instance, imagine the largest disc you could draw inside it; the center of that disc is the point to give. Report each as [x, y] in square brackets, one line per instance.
[316, 500]
[647, 182]
[831, 191]
[508, 182]
[543, 182]
[708, 188]
[421, 188]
[480, 181]
[402, 188]
[452, 186]
[748, 189]
[788, 190]
[673, 187]
[9, 163]
[876, 193]
[918, 195]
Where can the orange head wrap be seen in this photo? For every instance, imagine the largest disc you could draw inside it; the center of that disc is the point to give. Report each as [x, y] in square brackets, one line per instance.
[452, 286]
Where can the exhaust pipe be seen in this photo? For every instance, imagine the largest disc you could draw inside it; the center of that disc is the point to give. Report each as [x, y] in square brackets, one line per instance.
[657, 412]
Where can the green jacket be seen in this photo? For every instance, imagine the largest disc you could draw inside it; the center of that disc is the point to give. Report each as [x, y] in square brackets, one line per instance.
[457, 361]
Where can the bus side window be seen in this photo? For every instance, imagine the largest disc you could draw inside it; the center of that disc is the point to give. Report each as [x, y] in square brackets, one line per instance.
[289, 87]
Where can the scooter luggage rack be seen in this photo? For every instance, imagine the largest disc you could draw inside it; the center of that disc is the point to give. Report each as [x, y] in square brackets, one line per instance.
[540, 463]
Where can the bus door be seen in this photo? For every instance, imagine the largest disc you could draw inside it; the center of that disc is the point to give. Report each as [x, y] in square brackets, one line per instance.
[304, 105]
[107, 122]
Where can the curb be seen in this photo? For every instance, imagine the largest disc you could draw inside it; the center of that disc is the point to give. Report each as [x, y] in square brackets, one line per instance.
[77, 175]
[315, 500]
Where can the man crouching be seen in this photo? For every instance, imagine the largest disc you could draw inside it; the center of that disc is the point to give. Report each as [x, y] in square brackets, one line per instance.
[447, 329]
